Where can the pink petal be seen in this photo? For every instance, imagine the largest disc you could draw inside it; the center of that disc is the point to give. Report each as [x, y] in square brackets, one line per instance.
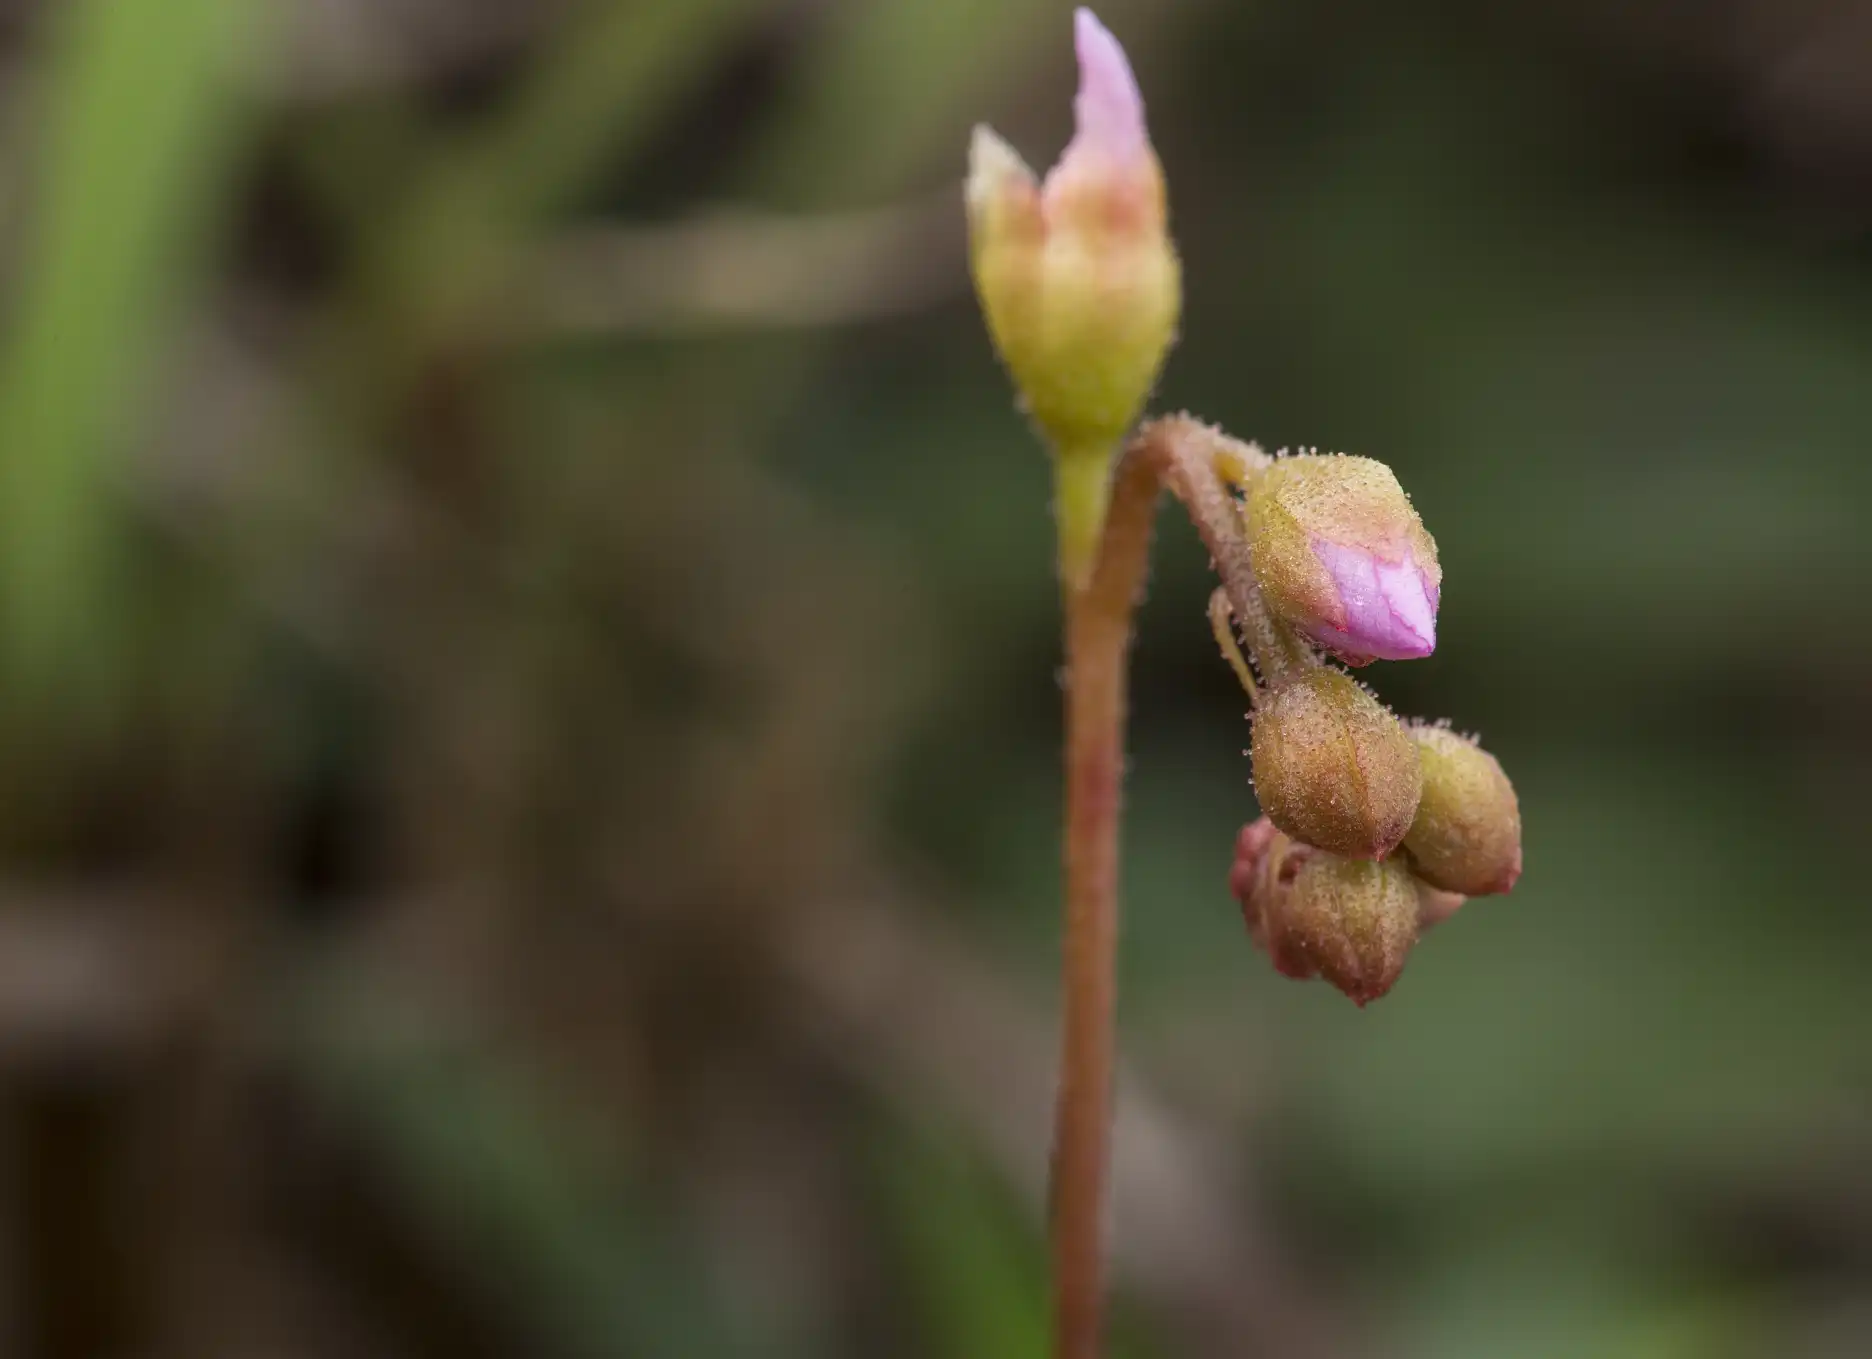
[1390, 607]
[1108, 111]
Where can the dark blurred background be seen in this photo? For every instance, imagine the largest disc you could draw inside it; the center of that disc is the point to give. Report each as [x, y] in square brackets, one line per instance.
[528, 727]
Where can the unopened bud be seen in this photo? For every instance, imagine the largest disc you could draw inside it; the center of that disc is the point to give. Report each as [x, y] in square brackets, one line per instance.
[1354, 920]
[1077, 277]
[1350, 921]
[1340, 554]
[1467, 833]
[1333, 767]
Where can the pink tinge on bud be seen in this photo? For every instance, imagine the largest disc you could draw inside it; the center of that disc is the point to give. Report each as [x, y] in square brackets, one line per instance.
[1266, 863]
[1390, 607]
[1251, 847]
[1511, 876]
[1110, 153]
[1108, 111]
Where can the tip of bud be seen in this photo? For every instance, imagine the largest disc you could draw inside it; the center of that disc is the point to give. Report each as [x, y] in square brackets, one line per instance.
[1390, 608]
[994, 170]
[1109, 109]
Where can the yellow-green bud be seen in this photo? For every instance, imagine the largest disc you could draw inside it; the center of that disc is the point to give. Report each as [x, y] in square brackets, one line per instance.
[1333, 767]
[1341, 555]
[1467, 833]
[1077, 277]
[1354, 920]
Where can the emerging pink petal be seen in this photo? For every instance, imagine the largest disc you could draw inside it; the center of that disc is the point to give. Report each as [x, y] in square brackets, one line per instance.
[1107, 179]
[1108, 111]
[1390, 607]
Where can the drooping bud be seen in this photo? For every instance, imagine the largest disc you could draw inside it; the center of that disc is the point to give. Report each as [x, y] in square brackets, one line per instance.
[1350, 921]
[1467, 833]
[1333, 767]
[1078, 279]
[1354, 920]
[1340, 554]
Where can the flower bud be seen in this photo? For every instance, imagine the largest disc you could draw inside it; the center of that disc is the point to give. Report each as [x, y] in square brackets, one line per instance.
[1333, 767]
[1315, 914]
[1354, 920]
[1467, 833]
[1077, 277]
[1341, 555]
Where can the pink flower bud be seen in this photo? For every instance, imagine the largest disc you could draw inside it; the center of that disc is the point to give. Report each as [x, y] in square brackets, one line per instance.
[1341, 555]
[1077, 277]
[1389, 607]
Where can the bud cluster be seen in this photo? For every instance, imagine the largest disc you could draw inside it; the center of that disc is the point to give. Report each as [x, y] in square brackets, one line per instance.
[1373, 829]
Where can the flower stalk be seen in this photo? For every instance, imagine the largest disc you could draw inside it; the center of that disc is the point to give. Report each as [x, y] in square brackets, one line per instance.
[1098, 642]
[1177, 454]
[1081, 287]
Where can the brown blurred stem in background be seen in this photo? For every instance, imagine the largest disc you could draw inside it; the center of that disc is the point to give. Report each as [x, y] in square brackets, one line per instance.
[1177, 453]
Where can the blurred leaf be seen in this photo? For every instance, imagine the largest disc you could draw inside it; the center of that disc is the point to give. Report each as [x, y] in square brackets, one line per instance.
[983, 1292]
[595, 95]
[1540, 1293]
[516, 1193]
[976, 1262]
[147, 108]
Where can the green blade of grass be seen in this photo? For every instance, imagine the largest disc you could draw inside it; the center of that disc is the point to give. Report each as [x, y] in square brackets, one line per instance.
[146, 106]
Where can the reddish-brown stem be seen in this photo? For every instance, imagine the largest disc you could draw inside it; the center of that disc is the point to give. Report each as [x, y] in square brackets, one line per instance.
[1098, 636]
[1177, 453]
[1184, 453]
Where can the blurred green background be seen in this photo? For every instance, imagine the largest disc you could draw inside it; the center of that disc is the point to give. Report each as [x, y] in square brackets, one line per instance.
[528, 723]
